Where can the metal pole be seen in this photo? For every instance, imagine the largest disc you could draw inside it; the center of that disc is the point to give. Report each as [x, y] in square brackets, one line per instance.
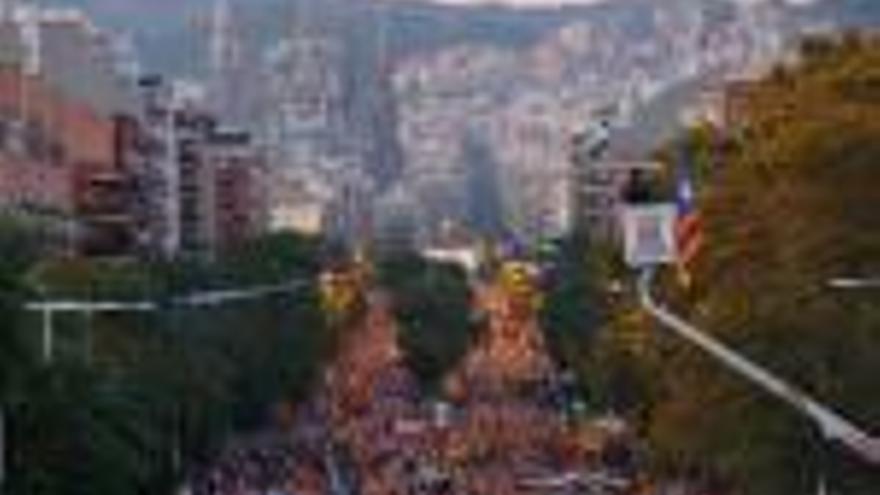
[48, 334]
[820, 444]
[831, 424]
[87, 344]
[2, 447]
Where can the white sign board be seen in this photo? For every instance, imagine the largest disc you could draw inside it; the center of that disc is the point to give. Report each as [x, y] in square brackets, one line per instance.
[649, 234]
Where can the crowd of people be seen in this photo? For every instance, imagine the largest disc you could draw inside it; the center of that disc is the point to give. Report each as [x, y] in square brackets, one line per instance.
[262, 467]
[386, 435]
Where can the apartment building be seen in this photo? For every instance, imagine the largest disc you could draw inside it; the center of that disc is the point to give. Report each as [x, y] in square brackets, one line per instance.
[241, 187]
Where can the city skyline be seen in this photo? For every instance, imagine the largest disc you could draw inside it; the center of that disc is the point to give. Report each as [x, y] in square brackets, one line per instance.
[543, 4]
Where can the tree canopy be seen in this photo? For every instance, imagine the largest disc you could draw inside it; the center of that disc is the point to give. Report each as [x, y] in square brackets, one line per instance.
[432, 304]
[790, 203]
[572, 310]
[156, 394]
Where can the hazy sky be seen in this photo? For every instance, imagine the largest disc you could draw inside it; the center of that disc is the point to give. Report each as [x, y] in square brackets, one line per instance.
[547, 3]
[523, 3]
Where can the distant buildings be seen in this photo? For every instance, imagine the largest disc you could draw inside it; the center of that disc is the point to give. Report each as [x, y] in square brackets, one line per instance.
[329, 121]
[33, 171]
[297, 204]
[526, 100]
[122, 166]
[161, 167]
[61, 160]
[158, 177]
[241, 186]
[206, 185]
[63, 92]
[398, 223]
[196, 187]
[62, 45]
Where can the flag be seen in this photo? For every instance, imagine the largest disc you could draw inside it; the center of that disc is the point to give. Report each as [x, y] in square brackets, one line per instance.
[688, 227]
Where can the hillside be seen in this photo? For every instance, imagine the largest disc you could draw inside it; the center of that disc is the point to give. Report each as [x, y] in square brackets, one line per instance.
[162, 28]
[419, 80]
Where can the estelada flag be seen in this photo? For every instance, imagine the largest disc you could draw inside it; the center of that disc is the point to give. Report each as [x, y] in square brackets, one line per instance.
[688, 227]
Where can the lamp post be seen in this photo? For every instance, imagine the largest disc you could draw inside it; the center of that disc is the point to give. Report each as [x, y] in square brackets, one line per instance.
[48, 309]
[831, 424]
[848, 283]
[649, 245]
[2, 446]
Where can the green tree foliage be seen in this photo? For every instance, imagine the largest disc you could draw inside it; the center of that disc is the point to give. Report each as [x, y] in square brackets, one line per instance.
[79, 433]
[595, 330]
[789, 205]
[160, 392]
[273, 258]
[571, 312]
[432, 304]
[17, 252]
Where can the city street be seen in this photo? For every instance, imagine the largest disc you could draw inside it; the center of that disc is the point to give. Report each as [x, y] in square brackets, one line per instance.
[439, 247]
[369, 430]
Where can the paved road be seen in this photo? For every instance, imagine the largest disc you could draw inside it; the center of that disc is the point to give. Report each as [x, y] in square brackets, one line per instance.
[501, 433]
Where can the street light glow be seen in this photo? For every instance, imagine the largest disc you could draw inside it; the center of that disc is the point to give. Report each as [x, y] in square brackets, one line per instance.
[854, 283]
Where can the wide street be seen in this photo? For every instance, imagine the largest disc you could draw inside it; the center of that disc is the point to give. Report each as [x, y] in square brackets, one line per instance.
[369, 430]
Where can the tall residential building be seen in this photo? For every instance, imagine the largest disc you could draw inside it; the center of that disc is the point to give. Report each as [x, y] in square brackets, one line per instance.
[159, 209]
[104, 183]
[176, 211]
[241, 186]
[196, 187]
[204, 186]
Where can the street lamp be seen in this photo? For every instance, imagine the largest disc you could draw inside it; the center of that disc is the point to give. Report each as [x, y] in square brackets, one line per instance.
[846, 283]
[48, 309]
[649, 244]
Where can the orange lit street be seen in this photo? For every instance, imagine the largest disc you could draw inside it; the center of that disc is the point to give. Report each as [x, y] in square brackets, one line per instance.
[370, 430]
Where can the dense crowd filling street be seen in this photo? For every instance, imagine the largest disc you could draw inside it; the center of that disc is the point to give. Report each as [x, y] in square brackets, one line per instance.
[370, 430]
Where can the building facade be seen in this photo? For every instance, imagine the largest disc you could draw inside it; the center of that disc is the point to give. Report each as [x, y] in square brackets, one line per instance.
[61, 160]
[66, 151]
[205, 185]
[240, 189]
[34, 172]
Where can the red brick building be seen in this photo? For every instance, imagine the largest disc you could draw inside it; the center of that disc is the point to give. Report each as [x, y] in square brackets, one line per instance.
[61, 158]
[241, 194]
[33, 172]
